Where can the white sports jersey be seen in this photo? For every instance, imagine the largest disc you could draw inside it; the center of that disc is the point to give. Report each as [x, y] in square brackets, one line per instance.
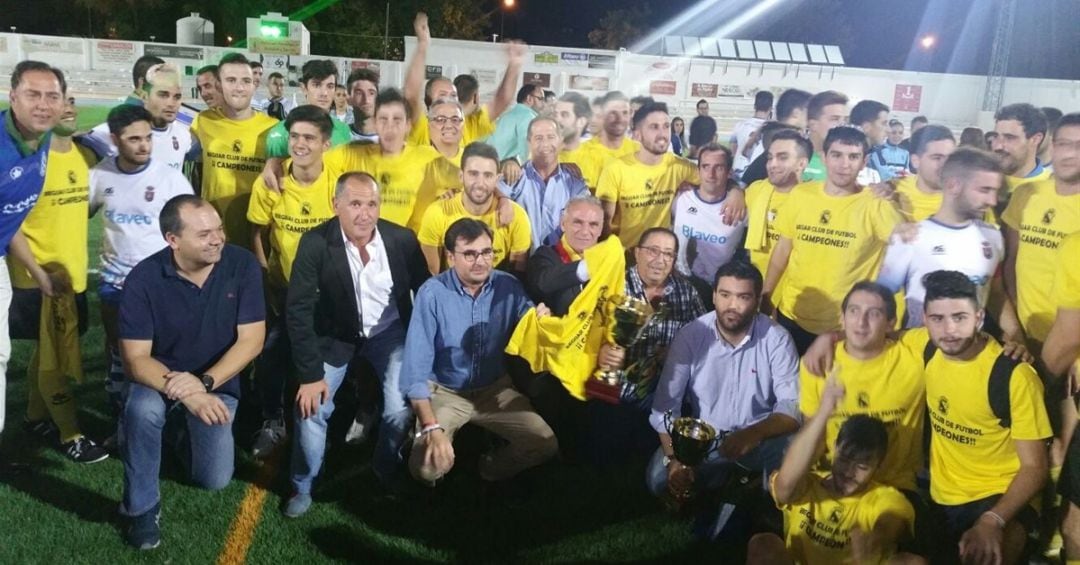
[975, 250]
[171, 144]
[705, 242]
[132, 203]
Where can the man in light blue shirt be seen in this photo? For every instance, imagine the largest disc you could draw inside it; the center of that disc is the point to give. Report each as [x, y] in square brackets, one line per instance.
[738, 371]
[545, 185]
[511, 129]
[453, 372]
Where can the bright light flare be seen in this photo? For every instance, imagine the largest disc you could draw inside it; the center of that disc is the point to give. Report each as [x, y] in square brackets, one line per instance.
[927, 41]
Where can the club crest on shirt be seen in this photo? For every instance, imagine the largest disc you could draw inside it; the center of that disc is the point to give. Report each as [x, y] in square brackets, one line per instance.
[988, 251]
[825, 217]
[691, 210]
[15, 172]
[305, 209]
[863, 399]
[943, 405]
[72, 179]
[938, 250]
[649, 185]
[1048, 216]
[836, 514]
[384, 179]
[175, 143]
[237, 146]
[149, 194]
[772, 215]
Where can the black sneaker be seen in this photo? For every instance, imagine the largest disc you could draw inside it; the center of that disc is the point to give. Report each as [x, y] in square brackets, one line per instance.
[42, 429]
[145, 530]
[84, 450]
[268, 438]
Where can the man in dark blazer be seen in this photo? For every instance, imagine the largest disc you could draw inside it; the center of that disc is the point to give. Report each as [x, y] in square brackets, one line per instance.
[350, 295]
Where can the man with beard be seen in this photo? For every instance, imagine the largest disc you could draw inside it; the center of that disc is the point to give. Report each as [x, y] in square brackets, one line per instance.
[920, 195]
[750, 162]
[988, 453]
[1020, 130]
[738, 371]
[573, 113]
[209, 87]
[362, 87]
[611, 140]
[545, 186]
[702, 128]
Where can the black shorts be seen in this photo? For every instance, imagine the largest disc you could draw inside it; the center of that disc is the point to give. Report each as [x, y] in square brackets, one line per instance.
[802, 338]
[24, 315]
[961, 517]
[920, 543]
[1069, 483]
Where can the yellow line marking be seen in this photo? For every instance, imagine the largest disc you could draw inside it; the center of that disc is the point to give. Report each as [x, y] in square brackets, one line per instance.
[248, 514]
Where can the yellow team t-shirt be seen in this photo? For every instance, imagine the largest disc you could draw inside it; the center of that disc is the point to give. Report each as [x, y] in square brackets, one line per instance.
[1042, 218]
[643, 193]
[233, 153]
[1067, 275]
[290, 213]
[817, 526]
[917, 205]
[837, 241]
[440, 176]
[56, 228]
[513, 238]
[763, 204]
[889, 387]
[592, 155]
[476, 126]
[399, 176]
[971, 455]
[1012, 183]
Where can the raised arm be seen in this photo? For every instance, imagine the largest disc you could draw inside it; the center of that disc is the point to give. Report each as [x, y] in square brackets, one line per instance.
[414, 73]
[507, 91]
[807, 446]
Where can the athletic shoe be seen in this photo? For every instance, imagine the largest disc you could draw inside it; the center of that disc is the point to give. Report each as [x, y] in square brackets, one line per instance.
[42, 429]
[271, 435]
[361, 427]
[84, 450]
[297, 505]
[145, 530]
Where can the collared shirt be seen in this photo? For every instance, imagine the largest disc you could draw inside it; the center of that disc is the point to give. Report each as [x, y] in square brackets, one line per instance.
[510, 139]
[192, 327]
[729, 386]
[456, 339]
[679, 305]
[544, 201]
[22, 174]
[373, 285]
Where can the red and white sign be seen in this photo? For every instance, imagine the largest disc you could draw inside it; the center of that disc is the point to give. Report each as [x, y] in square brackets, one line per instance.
[115, 53]
[704, 90]
[907, 98]
[663, 87]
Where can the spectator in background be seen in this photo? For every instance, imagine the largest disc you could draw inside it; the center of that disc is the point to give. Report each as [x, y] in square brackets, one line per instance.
[277, 106]
[596, 122]
[510, 139]
[824, 111]
[258, 103]
[890, 159]
[1052, 116]
[790, 111]
[138, 77]
[973, 137]
[208, 86]
[678, 137]
[872, 117]
[363, 88]
[341, 108]
[763, 102]
[990, 136]
[917, 123]
[549, 101]
[702, 128]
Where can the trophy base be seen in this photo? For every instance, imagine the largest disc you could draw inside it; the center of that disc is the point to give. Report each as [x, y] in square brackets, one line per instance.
[596, 389]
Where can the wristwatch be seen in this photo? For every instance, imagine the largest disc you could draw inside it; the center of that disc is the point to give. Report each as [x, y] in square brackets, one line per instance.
[208, 382]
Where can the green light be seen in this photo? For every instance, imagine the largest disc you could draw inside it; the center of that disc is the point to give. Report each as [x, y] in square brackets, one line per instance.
[274, 30]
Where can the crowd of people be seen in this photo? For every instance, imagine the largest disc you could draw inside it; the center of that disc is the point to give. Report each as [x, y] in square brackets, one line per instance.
[883, 332]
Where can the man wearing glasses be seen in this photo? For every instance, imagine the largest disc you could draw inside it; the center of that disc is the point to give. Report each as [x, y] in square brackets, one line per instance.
[512, 128]
[454, 372]
[445, 119]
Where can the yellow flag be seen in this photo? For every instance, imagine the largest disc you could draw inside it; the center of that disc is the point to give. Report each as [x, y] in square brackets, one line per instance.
[59, 355]
[567, 346]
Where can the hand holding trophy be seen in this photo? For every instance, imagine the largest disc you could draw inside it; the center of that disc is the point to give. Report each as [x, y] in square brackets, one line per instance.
[631, 316]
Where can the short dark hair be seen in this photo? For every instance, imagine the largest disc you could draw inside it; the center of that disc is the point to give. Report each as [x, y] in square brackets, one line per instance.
[645, 110]
[919, 120]
[642, 100]
[392, 95]
[867, 111]
[970, 137]
[466, 229]
[790, 100]
[943, 285]
[362, 74]
[714, 147]
[967, 160]
[926, 135]
[230, 59]
[169, 220]
[313, 115]
[24, 67]
[742, 270]
[700, 102]
[275, 75]
[613, 96]
[806, 149]
[763, 101]
[481, 150]
[467, 86]
[317, 69]
[1029, 116]
[862, 438]
[208, 69]
[872, 287]
[658, 230]
[143, 64]
[817, 103]
[895, 122]
[1068, 120]
[124, 115]
[549, 95]
[255, 64]
[528, 89]
[1052, 116]
[582, 108]
[848, 136]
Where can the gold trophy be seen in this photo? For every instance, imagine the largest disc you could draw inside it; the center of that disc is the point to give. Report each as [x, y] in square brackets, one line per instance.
[631, 316]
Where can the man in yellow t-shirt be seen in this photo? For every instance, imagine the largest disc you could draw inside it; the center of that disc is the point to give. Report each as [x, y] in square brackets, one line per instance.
[988, 454]
[479, 175]
[1020, 129]
[883, 379]
[919, 196]
[1038, 218]
[304, 203]
[787, 155]
[611, 142]
[233, 140]
[572, 113]
[48, 259]
[845, 516]
[832, 235]
[637, 190]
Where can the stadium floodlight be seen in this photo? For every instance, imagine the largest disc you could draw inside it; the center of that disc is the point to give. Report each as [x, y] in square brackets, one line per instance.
[273, 30]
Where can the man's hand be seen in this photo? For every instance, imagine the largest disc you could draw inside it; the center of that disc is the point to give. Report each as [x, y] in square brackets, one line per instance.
[739, 443]
[311, 396]
[510, 171]
[420, 28]
[1073, 379]
[734, 209]
[1017, 351]
[272, 174]
[864, 547]
[833, 392]
[504, 209]
[542, 310]
[208, 407]
[611, 356]
[908, 232]
[515, 52]
[680, 480]
[982, 543]
[819, 356]
[180, 385]
[438, 450]
[885, 189]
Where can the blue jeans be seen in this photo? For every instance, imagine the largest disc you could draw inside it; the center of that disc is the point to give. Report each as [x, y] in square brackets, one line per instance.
[145, 414]
[385, 351]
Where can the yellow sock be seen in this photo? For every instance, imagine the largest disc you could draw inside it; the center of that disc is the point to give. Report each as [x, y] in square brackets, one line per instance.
[1072, 562]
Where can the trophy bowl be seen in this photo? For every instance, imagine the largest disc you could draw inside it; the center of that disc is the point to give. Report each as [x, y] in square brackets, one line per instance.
[631, 316]
[692, 439]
